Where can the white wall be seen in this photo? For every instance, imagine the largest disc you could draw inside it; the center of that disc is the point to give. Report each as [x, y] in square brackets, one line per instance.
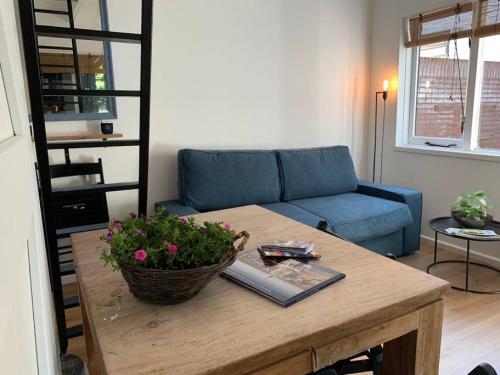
[27, 334]
[441, 178]
[256, 74]
[241, 74]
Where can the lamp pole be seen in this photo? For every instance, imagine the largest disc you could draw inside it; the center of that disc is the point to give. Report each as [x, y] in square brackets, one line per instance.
[384, 94]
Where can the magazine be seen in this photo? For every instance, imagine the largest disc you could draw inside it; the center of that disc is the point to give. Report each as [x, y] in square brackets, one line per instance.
[284, 281]
[288, 254]
[297, 247]
[471, 232]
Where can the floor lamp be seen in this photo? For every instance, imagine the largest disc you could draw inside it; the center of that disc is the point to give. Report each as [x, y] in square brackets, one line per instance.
[384, 96]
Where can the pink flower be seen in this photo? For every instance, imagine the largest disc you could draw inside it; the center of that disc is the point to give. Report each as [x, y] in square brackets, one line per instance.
[117, 226]
[172, 249]
[183, 221]
[227, 226]
[141, 255]
[109, 235]
[132, 215]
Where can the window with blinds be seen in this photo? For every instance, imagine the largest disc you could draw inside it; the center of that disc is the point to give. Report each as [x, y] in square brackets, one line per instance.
[477, 18]
[440, 26]
[488, 18]
[454, 78]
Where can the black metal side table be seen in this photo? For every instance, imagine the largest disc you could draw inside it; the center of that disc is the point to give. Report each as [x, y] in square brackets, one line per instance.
[439, 225]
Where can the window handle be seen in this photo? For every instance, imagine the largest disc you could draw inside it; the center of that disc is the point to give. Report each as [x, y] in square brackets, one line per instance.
[438, 145]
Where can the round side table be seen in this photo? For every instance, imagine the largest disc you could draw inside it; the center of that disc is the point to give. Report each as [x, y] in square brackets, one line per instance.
[439, 225]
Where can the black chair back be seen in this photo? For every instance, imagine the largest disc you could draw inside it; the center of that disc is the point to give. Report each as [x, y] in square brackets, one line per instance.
[84, 208]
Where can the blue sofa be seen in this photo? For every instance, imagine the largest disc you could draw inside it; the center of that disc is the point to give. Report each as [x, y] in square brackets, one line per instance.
[306, 185]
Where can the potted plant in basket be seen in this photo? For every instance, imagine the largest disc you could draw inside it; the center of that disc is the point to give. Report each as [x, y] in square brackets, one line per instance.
[471, 210]
[166, 259]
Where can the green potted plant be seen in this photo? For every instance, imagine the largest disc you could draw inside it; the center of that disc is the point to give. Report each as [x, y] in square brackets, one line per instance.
[166, 259]
[471, 210]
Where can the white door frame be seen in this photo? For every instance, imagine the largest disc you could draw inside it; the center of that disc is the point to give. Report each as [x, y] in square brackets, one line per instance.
[27, 318]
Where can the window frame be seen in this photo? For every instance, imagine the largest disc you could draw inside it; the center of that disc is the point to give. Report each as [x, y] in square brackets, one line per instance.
[406, 117]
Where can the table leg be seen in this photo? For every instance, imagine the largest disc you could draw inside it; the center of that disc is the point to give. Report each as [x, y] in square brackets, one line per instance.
[435, 246]
[417, 353]
[467, 267]
[92, 357]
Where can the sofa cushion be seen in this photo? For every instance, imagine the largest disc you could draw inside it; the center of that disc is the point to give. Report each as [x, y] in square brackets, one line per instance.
[358, 217]
[317, 172]
[293, 212]
[212, 180]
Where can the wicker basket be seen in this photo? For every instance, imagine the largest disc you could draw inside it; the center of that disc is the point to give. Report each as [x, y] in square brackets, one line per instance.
[169, 287]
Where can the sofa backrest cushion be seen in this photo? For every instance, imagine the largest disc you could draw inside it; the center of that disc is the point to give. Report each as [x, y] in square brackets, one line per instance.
[317, 172]
[213, 180]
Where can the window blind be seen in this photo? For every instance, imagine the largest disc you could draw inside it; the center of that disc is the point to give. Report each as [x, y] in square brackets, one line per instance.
[488, 20]
[440, 26]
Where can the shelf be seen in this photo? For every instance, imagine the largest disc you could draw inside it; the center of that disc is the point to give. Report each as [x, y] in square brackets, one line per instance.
[81, 137]
[95, 188]
[72, 92]
[92, 144]
[41, 94]
[87, 34]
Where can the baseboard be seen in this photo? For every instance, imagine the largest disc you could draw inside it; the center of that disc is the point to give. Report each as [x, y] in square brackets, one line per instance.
[487, 259]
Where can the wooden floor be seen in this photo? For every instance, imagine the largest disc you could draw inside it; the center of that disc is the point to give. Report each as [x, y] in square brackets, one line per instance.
[471, 332]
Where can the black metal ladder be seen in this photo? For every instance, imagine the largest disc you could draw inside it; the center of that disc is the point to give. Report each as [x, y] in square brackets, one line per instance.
[37, 94]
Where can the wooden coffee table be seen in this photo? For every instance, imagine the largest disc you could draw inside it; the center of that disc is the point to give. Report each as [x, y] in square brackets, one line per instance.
[227, 329]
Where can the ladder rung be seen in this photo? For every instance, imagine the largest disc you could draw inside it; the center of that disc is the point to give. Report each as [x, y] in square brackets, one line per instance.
[58, 102]
[64, 252]
[75, 331]
[57, 66]
[72, 301]
[50, 11]
[59, 84]
[57, 81]
[87, 34]
[82, 228]
[66, 269]
[69, 92]
[96, 188]
[55, 47]
[92, 144]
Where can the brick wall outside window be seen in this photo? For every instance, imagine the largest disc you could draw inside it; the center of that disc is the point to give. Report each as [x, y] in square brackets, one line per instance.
[438, 111]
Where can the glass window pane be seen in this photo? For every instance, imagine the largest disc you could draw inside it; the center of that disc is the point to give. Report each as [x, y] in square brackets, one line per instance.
[489, 119]
[441, 87]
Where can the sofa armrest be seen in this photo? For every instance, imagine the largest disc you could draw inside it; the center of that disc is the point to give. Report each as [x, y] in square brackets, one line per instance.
[412, 197]
[175, 207]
